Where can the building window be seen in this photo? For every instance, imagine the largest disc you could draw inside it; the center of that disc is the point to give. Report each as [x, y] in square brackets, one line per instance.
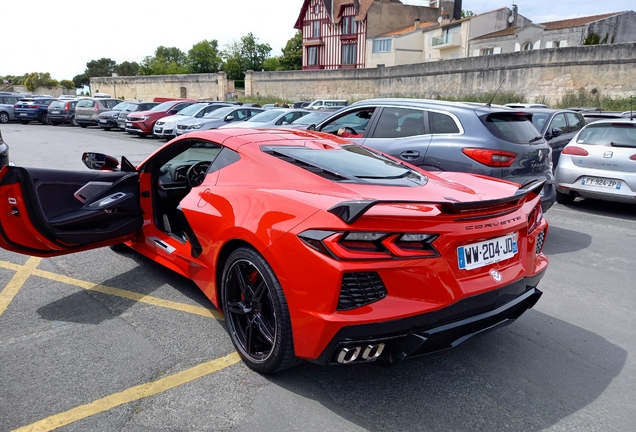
[487, 51]
[315, 29]
[317, 8]
[349, 25]
[349, 54]
[382, 45]
[527, 46]
[312, 56]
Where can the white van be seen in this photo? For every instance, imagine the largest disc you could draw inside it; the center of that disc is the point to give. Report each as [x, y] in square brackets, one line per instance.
[326, 103]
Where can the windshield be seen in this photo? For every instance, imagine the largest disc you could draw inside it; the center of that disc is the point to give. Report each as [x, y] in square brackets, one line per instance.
[165, 106]
[615, 134]
[120, 106]
[192, 109]
[266, 116]
[219, 114]
[312, 118]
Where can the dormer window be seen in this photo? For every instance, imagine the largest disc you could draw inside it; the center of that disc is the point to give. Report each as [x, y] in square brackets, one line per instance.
[317, 8]
[349, 25]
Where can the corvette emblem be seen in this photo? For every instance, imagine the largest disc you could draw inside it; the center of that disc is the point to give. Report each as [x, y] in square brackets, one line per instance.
[495, 275]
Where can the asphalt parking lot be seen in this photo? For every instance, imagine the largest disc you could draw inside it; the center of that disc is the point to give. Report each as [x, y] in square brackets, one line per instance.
[107, 341]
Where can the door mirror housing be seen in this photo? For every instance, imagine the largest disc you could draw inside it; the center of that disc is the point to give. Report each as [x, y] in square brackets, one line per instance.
[100, 161]
[229, 118]
[556, 132]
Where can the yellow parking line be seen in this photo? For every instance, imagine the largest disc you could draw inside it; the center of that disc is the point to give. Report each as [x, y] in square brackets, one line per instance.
[17, 281]
[196, 310]
[131, 394]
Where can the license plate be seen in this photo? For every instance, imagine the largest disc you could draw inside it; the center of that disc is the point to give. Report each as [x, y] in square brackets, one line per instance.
[103, 121]
[24, 114]
[55, 112]
[481, 254]
[82, 116]
[593, 181]
[128, 124]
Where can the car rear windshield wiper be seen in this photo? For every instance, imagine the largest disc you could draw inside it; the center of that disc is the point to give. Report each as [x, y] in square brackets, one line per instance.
[613, 144]
[535, 139]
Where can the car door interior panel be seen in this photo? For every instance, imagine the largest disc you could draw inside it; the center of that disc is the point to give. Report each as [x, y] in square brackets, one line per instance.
[75, 208]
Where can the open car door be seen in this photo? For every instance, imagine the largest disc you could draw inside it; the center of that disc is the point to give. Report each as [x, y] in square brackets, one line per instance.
[46, 212]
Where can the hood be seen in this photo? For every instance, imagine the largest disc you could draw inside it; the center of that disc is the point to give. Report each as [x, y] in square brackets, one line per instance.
[174, 118]
[244, 125]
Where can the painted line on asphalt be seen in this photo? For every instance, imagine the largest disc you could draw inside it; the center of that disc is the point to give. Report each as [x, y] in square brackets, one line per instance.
[132, 394]
[17, 281]
[91, 286]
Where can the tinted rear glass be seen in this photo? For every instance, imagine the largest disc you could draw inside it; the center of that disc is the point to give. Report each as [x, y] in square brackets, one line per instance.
[615, 134]
[57, 104]
[110, 104]
[513, 128]
[85, 103]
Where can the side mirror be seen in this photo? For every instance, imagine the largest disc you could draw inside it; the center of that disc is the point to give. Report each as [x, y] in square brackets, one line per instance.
[556, 132]
[312, 127]
[229, 118]
[99, 161]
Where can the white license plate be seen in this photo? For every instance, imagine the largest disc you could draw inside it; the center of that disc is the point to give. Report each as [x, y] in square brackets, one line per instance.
[103, 121]
[594, 181]
[55, 112]
[24, 114]
[128, 124]
[82, 116]
[481, 254]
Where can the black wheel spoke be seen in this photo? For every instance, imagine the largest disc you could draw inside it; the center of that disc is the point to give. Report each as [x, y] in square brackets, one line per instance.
[265, 328]
[243, 283]
[238, 308]
[249, 331]
[261, 289]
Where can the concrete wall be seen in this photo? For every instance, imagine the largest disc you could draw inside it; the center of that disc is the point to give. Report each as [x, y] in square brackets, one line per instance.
[195, 86]
[549, 73]
[54, 91]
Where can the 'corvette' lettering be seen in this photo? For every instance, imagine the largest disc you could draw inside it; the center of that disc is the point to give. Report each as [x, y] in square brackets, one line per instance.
[493, 224]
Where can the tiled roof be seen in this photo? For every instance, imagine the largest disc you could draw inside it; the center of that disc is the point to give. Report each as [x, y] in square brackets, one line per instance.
[408, 29]
[553, 25]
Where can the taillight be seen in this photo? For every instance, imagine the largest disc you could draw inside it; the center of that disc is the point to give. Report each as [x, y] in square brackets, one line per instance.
[489, 157]
[574, 151]
[35, 106]
[633, 157]
[370, 245]
[534, 218]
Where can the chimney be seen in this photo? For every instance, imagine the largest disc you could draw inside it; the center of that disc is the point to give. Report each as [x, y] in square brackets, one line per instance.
[417, 24]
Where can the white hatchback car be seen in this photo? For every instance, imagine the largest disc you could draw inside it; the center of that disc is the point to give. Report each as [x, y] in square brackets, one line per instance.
[599, 163]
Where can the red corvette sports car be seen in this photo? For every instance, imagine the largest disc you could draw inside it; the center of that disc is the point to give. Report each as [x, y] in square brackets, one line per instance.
[312, 247]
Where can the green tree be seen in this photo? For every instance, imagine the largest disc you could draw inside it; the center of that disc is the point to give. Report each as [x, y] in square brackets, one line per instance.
[39, 79]
[103, 67]
[292, 58]
[81, 80]
[67, 84]
[127, 69]
[467, 13]
[204, 57]
[246, 54]
[272, 64]
[166, 61]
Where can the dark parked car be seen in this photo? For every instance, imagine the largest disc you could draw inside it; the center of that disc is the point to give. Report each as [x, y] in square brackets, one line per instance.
[108, 119]
[87, 111]
[451, 136]
[37, 109]
[4, 152]
[62, 111]
[558, 127]
[133, 107]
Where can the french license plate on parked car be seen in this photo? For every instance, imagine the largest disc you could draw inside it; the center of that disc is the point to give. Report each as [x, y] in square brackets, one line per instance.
[55, 112]
[594, 181]
[102, 121]
[128, 124]
[480, 254]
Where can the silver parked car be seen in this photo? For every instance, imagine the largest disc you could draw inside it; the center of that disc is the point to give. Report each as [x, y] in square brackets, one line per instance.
[87, 110]
[217, 118]
[166, 127]
[599, 163]
[277, 117]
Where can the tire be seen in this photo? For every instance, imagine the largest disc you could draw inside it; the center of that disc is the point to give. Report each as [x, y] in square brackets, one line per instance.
[24, 121]
[74, 122]
[55, 123]
[83, 125]
[4, 117]
[106, 128]
[256, 312]
[44, 119]
[564, 198]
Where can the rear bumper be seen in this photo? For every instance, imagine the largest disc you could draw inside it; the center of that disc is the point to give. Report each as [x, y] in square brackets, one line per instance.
[570, 180]
[433, 331]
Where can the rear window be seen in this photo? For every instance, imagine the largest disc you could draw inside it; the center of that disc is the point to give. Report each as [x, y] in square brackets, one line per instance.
[57, 104]
[614, 134]
[85, 103]
[514, 128]
[110, 104]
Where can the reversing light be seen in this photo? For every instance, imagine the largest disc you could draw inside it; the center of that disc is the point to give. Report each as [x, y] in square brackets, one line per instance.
[490, 157]
[535, 218]
[574, 151]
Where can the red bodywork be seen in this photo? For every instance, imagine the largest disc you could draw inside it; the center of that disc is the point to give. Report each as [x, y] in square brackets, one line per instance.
[267, 203]
[142, 122]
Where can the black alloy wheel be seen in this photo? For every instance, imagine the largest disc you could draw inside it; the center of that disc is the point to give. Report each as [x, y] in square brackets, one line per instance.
[256, 312]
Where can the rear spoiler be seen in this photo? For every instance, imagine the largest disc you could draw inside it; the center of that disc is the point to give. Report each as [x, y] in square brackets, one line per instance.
[351, 211]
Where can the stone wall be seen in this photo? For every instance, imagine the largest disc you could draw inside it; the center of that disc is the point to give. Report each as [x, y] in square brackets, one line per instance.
[53, 91]
[147, 87]
[545, 73]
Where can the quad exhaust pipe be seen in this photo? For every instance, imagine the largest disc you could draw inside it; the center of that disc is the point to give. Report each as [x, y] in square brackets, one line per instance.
[352, 353]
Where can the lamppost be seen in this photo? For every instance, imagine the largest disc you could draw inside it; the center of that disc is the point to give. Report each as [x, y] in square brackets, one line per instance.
[114, 75]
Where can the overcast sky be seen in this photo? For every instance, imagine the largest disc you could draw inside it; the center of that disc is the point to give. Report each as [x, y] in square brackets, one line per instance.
[61, 37]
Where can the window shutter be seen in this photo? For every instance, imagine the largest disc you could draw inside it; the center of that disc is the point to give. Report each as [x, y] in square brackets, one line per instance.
[497, 50]
[517, 47]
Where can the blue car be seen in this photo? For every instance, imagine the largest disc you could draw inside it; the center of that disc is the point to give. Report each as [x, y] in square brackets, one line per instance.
[36, 109]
